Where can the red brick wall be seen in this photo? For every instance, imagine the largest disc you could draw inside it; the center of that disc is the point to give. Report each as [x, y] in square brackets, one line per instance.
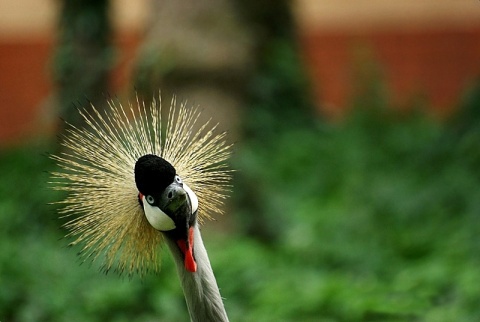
[438, 63]
[26, 82]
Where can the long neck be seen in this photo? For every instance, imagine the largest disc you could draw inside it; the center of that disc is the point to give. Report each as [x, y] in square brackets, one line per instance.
[200, 288]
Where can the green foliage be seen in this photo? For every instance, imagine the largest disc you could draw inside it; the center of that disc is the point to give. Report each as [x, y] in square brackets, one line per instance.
[375, 219]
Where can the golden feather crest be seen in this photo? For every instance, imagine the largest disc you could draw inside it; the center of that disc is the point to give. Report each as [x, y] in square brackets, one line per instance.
[97, 172]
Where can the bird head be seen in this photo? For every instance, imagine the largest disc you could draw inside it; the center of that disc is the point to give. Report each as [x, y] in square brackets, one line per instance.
[151, 166]
[169, 204]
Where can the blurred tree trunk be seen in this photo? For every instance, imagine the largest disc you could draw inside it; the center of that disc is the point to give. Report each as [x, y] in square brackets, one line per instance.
[200, 51]
[278, 99]
[279, 86]
[83, 56]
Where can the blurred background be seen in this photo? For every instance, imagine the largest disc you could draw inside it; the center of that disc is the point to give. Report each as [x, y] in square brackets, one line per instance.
[357, 148]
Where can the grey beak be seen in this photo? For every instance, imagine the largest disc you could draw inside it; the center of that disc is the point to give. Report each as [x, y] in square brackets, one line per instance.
[173, 197]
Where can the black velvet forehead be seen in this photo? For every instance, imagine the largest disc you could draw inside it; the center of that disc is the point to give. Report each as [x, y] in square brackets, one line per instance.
[153, 174]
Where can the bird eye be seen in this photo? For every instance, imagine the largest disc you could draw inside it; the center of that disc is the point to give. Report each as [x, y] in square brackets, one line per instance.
[150, 199]
[177, 179]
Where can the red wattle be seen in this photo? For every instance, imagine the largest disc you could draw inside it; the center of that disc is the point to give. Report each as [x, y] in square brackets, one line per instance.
[190, 264]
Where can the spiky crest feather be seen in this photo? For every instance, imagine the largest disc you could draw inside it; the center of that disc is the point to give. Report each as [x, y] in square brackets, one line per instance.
[96, 170]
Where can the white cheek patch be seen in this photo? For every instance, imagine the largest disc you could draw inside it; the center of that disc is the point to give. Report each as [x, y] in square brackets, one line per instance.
[157, 218]
[193, 197]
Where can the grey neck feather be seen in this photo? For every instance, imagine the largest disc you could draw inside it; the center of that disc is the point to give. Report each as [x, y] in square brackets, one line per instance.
[200, 288]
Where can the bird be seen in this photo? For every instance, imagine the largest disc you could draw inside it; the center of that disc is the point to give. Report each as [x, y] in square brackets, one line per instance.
[134, 182]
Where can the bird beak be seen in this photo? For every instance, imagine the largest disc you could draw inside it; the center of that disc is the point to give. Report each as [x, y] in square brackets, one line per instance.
[187, 219]
[186, 242]
[180, 203]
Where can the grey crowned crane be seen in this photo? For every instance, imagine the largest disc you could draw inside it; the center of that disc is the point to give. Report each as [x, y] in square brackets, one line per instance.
[134, 182]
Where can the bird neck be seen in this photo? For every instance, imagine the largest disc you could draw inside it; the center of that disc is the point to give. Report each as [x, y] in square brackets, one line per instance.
[200, 288]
